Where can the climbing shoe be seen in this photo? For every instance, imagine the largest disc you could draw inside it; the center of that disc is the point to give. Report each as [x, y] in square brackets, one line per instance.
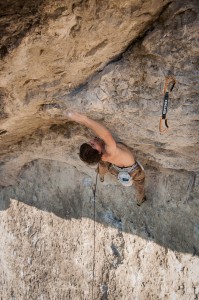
[141, 201]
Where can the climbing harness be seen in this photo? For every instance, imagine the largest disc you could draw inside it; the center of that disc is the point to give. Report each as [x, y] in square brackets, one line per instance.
[124, 174]
[94, 188]
[169, 80]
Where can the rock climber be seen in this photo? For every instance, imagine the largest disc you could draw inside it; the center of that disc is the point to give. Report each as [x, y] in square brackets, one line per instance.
[111, 156]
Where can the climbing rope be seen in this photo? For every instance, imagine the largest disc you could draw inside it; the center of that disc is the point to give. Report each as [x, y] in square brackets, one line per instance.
[94, 188]
[169, 80]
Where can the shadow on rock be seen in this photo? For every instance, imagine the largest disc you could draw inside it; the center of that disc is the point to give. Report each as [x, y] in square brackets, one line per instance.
[170, 216]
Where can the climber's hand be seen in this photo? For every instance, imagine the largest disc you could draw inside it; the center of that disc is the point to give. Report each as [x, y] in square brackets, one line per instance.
[74, 116]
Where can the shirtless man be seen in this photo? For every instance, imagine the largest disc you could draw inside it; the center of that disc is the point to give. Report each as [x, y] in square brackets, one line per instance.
[112, 157]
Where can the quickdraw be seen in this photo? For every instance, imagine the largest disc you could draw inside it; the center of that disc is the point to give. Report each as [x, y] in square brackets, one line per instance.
[169, 80]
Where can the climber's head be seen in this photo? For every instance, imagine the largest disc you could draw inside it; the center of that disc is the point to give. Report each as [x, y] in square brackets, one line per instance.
[92, 151]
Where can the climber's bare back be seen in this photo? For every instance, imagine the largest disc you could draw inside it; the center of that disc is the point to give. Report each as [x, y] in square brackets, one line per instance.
[121, 156]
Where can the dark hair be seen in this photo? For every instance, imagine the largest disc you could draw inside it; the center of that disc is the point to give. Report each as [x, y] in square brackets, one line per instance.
[89, 155]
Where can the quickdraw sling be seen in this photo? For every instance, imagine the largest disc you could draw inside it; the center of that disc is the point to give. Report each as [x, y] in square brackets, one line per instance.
[169, 80]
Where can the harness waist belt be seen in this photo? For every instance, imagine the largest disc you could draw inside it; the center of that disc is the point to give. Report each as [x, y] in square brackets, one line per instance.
[134, 167]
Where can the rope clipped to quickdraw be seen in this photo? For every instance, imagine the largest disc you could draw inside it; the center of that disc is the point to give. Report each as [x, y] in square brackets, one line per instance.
[169, 80]
[94, 188]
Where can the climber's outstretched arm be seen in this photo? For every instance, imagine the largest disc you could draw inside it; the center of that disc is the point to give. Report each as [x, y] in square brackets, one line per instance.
[101, 131]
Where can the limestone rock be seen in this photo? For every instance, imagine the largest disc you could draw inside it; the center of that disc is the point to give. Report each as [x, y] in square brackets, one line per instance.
[109, 60]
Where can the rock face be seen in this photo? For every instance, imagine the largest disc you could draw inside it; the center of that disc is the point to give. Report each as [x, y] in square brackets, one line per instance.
[109, 60]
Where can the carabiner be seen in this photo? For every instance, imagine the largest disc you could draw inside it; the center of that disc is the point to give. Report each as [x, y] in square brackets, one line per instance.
[169, 79]
[161, 129]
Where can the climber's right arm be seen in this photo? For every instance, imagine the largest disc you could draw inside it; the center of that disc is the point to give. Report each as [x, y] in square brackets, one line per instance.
[100, 130]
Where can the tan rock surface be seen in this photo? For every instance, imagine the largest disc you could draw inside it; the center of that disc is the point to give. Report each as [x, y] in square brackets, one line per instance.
[108, 59]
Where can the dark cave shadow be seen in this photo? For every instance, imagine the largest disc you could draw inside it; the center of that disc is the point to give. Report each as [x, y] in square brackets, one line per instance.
[170, 216]
[25, 13]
